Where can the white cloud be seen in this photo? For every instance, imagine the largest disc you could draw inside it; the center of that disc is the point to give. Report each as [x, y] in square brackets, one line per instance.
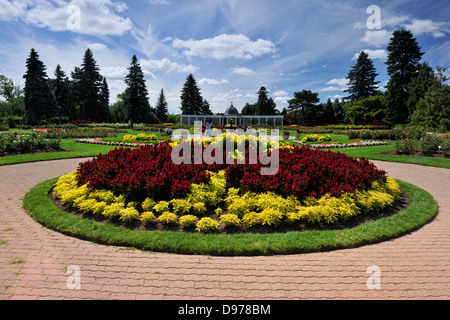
[373, 54]
[377, 38]
[168, 66]
[339, 82]
[243, 71]
[96, 18]
[12, 10]
[97, 46]
[280, 94]
[114, 72]
[213, 82]
[434, 28]
[327, 89]
[226, 46]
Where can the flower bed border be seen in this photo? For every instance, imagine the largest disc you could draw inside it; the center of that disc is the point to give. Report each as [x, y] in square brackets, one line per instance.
[345, 145]
[118, 144]
[422, 210]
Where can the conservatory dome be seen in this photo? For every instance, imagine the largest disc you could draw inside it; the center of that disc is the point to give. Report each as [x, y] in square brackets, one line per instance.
[232, 111]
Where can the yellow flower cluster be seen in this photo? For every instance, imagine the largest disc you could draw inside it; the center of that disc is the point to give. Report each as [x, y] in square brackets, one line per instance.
[230, 207]
[141, 137]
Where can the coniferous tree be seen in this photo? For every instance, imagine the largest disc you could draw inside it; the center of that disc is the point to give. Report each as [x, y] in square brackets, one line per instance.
[206, 108]
[40, 102]
[339, 112]
[265, 106]
[137, 105]
[191, 99]
[104, 99]
[304, 108]
[62, 89]
[162, 107]
[361, 78]
[403, 66]
[328, 113]
[87, 89]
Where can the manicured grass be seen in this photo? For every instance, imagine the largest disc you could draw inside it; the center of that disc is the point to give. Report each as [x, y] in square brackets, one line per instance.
[73, 150]
[422, 210]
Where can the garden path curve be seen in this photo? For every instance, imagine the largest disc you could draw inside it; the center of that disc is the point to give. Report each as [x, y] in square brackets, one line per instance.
[34, 260]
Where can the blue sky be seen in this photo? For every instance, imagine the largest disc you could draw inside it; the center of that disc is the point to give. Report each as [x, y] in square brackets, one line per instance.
[232, 47]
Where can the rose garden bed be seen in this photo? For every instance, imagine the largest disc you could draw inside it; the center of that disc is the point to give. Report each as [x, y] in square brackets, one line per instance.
[144, 194]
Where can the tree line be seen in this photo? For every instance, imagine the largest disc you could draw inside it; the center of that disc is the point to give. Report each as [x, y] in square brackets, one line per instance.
[416, 93]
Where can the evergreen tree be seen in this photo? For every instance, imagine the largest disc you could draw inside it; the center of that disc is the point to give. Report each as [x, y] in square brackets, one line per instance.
[206, 108]
[249, 110]
[191, 99]
[104, 99]
[339, 112]
[62, 89]
[403, 66]
[137, 106]
[162, 107]
[419, 86]
[361, 78]
[265, 105]
[304, 109]
[328, 113]
[40, 102]
[87, 89]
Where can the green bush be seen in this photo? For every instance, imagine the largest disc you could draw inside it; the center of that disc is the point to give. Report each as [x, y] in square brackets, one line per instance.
[406, 146]
[430, 144]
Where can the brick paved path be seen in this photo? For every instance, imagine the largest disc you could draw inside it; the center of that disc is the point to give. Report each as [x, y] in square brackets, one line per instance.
[34, 260]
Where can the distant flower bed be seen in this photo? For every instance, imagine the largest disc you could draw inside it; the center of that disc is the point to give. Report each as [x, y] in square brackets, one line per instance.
[19, 143]
[144, 186]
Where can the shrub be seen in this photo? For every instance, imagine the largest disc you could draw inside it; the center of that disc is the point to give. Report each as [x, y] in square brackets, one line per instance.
[430, 144]
[162, 206]
[129, 214]
[188, 221]
[405, 146]
[148, 204]
[230, 220]
[148, 217]
[168, 218]
[271, 217]
[252, 219]
[113, 210]
[207, 225]
[181, 206]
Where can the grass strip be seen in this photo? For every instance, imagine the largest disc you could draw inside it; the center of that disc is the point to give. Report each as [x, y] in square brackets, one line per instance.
[422, 210]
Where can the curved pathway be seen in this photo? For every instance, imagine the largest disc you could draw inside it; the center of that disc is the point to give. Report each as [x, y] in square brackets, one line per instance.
[35, 263]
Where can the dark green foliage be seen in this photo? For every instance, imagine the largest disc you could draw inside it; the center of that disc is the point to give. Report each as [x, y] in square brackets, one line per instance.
[87, 88]
[162, 107]
[206, 108]
[403, 66]
[191, 99]
[61, 87]
[433, 110]
[305, 109]
[40, 102]
[265, 105]
[328, 113]
[361, 78]
[137, 106]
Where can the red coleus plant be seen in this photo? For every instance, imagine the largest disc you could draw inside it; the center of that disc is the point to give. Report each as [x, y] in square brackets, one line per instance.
[150, 172]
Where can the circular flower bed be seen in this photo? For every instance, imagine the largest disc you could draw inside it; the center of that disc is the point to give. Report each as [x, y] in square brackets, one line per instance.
[145, 187]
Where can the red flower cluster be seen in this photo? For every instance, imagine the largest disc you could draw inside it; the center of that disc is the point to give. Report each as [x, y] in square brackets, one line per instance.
[308, 172]
[140, 173]
[149, 171]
